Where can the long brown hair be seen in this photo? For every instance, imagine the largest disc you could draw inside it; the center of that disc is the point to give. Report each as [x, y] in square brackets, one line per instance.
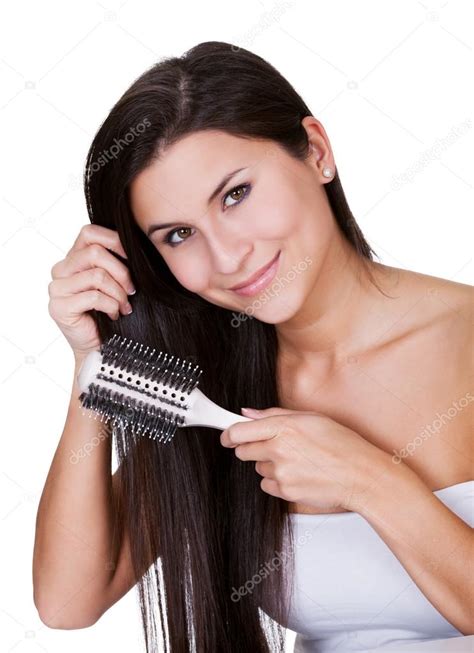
[200, 526]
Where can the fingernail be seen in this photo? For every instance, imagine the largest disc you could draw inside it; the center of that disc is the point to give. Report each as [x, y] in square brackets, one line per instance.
[128, 308]
[131, 292]
[251, 410]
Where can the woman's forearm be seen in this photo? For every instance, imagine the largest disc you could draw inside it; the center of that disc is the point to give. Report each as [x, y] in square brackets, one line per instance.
[433, 544]
[73, 552]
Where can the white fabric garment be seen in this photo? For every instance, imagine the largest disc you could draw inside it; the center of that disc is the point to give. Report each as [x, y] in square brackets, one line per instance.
[351, 593]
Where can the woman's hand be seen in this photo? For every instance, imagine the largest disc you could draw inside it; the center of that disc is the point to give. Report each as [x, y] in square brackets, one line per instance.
[89, 277]
[305, 457]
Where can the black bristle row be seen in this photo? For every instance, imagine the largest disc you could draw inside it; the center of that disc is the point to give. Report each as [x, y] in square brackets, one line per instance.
[142, 418]
[157, 367]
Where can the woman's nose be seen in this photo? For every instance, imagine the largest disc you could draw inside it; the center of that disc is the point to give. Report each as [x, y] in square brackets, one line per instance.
[230, 254]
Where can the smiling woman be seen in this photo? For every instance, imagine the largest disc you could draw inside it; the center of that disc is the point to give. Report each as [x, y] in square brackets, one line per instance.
[222, 239]
[231, 192]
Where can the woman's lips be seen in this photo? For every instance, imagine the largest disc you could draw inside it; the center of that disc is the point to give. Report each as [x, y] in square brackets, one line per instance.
[262, 281]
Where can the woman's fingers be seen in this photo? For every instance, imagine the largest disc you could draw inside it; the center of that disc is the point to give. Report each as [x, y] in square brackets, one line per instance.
[94, 233]
[94, 256]
[91, 279]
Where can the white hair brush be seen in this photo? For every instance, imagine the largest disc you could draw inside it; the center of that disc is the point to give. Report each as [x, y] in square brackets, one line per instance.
[152, 393]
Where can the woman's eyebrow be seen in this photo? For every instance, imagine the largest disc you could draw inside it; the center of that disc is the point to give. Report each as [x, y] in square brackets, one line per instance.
[164, 225]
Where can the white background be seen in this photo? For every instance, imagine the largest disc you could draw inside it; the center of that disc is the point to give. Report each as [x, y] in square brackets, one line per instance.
[391, 83]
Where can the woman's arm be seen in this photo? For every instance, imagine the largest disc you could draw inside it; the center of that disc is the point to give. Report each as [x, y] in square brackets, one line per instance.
[433, 544]
[308, 458]
[75, 555]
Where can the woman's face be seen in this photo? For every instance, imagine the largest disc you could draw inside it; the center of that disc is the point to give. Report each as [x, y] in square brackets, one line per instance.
[274, 205]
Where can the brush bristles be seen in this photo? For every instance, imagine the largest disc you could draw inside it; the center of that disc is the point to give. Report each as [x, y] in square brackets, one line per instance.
[156, 367]
[122, 357]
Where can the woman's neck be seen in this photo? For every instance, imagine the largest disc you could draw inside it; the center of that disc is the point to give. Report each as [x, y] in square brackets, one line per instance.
[337, 317]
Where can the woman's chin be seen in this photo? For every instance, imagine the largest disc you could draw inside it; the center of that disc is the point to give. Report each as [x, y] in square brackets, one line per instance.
[270, 307]
[272, 310]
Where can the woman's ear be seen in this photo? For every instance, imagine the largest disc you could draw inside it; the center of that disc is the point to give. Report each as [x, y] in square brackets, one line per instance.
[317, 151]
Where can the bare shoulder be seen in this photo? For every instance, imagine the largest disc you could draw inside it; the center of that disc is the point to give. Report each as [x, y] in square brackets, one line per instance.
[443, 303]
[461, 295]
[457, 297]
[434, 359]
[446, 318]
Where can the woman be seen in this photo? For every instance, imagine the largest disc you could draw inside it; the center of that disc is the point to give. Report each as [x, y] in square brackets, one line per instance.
[210, 173]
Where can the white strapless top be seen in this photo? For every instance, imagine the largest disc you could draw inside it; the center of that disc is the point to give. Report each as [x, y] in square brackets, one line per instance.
[351, 593]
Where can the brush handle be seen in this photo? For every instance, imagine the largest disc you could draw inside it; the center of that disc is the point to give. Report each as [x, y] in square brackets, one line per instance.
[204, 412]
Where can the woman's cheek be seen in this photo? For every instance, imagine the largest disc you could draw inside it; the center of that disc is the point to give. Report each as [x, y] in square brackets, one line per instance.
[276, 220]
[193, 277]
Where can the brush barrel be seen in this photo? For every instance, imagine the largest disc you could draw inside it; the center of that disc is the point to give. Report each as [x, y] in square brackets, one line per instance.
[89, 369]
[198, 410]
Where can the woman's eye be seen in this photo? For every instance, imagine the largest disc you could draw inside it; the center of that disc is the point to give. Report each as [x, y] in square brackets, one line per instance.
[168, 236]
[230, 193]
[244, 187]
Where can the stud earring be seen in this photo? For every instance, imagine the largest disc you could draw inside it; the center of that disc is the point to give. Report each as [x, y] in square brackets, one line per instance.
[327, 172]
